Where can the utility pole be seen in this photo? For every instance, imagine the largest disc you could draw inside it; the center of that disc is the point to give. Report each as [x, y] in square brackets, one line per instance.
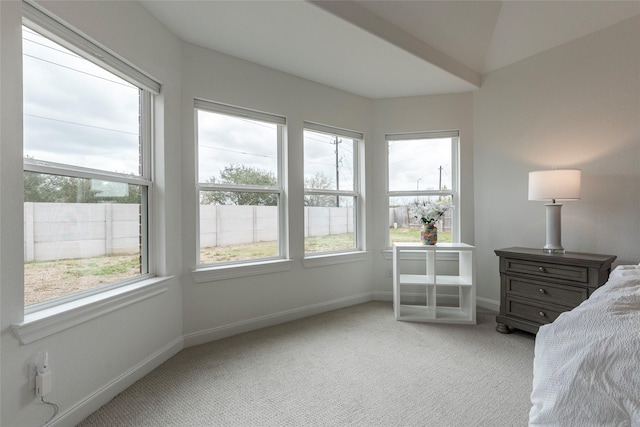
[440, 179]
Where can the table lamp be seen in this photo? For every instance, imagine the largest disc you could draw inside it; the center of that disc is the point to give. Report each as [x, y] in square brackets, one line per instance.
[553, 185]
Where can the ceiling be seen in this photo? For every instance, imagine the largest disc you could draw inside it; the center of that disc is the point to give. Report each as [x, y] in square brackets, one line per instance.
[387, 48]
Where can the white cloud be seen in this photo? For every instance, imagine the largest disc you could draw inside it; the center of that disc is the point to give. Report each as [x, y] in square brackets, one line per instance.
[415, 164]
[75, 112]
[224, 140]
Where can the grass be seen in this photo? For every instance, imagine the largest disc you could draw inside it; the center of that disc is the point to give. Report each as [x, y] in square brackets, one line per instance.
[52, 279]
[240, 252]
[312, 245]
[413, 235]
[331, 242]
[103, 267]
[46, 280]
[249, 251]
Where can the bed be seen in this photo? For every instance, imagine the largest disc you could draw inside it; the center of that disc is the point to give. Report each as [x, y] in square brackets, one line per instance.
[587, 362]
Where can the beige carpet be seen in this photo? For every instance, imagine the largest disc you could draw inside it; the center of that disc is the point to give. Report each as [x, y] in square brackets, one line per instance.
[355, 366]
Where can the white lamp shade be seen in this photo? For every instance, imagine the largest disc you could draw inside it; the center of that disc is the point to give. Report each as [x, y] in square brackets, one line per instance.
[555, 184]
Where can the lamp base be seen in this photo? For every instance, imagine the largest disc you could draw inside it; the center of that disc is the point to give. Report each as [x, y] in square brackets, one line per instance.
[553, 244]
[553, 251]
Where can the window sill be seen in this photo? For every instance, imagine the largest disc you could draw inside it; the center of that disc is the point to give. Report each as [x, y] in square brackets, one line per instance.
[49, 321]
[323, 260]
[212, 274]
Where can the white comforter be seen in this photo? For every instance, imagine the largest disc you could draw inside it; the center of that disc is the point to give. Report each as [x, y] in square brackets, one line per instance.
[587, 362]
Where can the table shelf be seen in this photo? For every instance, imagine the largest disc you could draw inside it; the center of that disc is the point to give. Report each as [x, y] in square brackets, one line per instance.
[428, 283]
[418, 279]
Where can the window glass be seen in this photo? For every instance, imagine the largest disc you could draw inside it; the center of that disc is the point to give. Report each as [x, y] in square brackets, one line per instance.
[79, 234]
[240, 212]
[404, 226]
[236, 150]
[331, 192]
[238, 226]
[328, 161]
[420, 164]
[85, 187]
[330, 226]
[77, 113]
[422, 176]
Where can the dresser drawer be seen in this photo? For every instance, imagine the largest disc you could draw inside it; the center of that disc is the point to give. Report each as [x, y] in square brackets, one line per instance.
[548, 270]
[531, 310]
[571, 296]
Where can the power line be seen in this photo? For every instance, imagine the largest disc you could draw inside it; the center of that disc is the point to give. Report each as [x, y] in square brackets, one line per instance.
[236, 151]
[66, 52]
[79, 71]
[61, 50]
[320, 163]
[257, 122]
[81, 124]
[324, 141]
[271, 126]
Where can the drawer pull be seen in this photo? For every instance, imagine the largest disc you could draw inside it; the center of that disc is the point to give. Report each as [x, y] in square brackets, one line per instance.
[541, 291]
[541, 269]
[542, 314]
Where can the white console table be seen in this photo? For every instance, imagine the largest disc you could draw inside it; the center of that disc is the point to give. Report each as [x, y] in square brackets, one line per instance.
[430, 282]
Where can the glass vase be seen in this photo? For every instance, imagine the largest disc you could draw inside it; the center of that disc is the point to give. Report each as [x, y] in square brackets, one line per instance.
[429, 234]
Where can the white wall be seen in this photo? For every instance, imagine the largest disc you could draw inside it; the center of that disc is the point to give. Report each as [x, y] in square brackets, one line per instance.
[576, 106]
[93, 361]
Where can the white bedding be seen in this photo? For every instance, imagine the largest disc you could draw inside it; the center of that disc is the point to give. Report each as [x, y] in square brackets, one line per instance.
[587, 362]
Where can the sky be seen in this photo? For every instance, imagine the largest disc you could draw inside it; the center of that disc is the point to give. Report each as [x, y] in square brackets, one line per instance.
[415, 165]
[320, 158]
[225, 140]
[77, 113]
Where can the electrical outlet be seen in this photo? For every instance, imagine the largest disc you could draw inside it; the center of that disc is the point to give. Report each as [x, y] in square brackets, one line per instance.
[43, 383]
[39, 364]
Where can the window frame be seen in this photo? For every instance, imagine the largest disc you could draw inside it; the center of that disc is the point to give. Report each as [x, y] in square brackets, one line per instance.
[454, 192]
[279, 190]
[356, 193]
[36, 20]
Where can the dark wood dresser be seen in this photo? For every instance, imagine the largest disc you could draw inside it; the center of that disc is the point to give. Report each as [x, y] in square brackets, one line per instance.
[535, 287]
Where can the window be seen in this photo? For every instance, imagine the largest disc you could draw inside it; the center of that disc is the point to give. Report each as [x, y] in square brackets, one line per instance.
[87, 175]
[239, 162]
[331, 189]
[422, 167]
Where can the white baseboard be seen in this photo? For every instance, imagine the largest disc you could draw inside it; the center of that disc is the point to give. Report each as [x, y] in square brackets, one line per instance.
[488, 304]
[103, 395]
[446, 299]
[382, 296]
[202, 337]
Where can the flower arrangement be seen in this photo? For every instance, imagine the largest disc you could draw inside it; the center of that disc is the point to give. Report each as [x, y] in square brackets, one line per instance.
[429, 211]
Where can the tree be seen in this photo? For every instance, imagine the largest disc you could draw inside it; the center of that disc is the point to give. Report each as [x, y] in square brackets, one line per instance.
[320, 181]
[32, 187]
[242, 175]
[43, 188]
[57, 189]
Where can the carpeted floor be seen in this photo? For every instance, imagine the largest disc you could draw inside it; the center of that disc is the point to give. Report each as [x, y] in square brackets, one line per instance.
[355, 366]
